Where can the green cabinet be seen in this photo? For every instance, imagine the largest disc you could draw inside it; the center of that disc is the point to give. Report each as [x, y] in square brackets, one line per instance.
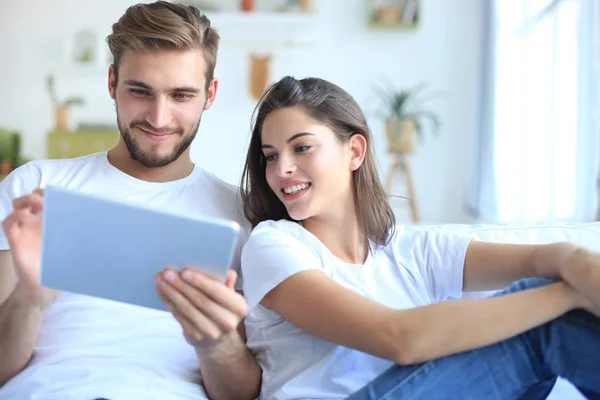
[66, 144]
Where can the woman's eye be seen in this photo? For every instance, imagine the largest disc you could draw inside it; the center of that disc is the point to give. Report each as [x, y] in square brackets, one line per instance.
[301, 149]
[270, 157]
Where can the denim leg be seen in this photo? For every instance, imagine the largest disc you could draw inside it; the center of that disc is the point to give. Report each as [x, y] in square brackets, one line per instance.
[519, 367]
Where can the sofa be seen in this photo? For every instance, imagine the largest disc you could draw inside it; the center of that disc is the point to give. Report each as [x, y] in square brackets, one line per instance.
[587, 235]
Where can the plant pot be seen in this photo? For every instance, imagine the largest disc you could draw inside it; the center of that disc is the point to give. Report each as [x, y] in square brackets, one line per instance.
[305, 5]
[401, 135]
[247, 5]
[62, 118]
[6, 167]
[388, 15]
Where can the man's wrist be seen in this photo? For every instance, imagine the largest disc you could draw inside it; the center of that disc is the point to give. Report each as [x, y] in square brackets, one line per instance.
[38, 299]
[227, 345]
[575, 299]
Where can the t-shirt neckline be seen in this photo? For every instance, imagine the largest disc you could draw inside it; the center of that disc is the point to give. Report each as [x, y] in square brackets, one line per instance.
[118, 174]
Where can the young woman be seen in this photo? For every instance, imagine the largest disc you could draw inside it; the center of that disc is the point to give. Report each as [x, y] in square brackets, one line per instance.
[341, 299]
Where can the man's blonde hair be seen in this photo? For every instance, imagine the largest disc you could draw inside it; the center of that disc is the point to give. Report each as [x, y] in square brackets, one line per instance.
[164, 26]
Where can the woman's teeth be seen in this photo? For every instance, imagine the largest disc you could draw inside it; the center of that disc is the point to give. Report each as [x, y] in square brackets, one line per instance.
[296, 188]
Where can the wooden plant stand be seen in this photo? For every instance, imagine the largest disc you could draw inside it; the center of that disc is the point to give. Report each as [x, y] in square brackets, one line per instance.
[401, 165]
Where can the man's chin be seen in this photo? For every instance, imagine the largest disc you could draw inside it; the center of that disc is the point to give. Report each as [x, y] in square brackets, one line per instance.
[154, 159]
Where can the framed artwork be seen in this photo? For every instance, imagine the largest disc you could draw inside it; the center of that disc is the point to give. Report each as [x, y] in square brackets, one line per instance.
[86, 51]
[394, 14]
[85, 48]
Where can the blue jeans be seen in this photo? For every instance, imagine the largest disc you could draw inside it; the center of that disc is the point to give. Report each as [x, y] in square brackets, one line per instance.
[523, 367]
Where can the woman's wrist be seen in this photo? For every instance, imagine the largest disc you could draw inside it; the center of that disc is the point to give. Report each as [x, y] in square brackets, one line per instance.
[574, 299]
[552, 260]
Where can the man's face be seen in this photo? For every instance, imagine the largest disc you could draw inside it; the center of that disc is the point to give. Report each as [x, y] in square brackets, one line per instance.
[160, 97]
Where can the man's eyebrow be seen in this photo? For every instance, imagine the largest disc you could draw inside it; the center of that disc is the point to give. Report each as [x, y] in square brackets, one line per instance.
[132, 82]
[188, 89]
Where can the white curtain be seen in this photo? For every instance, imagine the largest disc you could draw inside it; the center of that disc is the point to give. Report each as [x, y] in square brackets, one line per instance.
[541, 135]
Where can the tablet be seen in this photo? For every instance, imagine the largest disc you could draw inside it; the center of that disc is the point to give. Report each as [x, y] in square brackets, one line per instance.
[112, 250]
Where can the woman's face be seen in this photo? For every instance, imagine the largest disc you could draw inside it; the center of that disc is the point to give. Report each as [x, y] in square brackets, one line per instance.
[307, 166]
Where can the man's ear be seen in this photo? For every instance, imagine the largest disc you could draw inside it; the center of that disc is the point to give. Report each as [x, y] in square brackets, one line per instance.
[211, 93]
[358, 150]
[112, 82]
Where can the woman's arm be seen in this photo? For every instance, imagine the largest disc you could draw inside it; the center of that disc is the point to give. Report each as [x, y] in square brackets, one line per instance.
[491, 266]
[320, 306]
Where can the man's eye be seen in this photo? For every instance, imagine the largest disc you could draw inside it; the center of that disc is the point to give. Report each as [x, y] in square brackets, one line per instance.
[139, 92]
[182, 96]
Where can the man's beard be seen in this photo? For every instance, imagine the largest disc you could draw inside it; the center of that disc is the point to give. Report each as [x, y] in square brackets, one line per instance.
[152, 160]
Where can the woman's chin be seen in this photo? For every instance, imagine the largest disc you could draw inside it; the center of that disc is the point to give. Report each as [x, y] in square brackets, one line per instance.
[298, 215]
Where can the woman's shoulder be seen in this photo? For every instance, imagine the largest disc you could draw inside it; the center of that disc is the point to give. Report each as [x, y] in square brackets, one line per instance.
[280, 227]
[424, 241]
[278, 232]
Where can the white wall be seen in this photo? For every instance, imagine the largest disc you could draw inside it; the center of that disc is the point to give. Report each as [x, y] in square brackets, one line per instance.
[444, 52]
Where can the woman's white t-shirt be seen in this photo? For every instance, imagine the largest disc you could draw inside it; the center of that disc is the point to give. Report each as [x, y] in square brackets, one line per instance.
[417, 267]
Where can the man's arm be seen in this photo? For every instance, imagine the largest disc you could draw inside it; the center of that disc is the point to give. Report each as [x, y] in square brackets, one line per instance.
[20, 321]
[229, 370]
[211, 314]
[23, 302]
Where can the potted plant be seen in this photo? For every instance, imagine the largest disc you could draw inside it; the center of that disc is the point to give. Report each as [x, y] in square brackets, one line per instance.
[61, 109]
[405, 118]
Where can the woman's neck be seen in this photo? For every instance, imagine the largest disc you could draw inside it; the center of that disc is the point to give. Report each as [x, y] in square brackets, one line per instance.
[340, 232]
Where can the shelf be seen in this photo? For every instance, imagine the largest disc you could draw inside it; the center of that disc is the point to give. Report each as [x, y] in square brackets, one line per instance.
[393, 26]
[262, 29]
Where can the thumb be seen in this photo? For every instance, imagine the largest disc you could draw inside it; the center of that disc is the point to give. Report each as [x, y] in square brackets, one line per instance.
[231, 279]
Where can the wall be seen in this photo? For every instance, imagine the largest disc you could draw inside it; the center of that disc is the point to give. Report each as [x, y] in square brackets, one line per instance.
[444, 52]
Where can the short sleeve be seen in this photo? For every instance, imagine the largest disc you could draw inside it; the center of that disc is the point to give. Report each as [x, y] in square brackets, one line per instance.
[19, 182]
[270, 256]
[438, 257]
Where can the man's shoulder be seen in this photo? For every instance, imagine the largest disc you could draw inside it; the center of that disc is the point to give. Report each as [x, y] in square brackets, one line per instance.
[38, 173]
[55, 166]
[216, 185]
[223, 198]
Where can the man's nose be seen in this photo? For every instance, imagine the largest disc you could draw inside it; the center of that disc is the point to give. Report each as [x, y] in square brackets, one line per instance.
[160, 114]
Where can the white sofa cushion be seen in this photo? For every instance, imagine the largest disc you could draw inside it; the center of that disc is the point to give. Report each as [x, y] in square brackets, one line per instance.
[587, 235]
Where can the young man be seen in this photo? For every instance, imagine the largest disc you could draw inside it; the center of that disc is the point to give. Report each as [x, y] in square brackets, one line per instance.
[64, 345]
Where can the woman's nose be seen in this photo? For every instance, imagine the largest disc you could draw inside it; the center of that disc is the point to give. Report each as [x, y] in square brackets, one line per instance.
[286, 166]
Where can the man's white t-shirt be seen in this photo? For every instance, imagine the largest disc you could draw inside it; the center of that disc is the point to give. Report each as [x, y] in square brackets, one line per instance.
[88, 347]
[414, 269]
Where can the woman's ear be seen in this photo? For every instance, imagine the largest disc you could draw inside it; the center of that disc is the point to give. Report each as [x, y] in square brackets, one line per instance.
[358, 150]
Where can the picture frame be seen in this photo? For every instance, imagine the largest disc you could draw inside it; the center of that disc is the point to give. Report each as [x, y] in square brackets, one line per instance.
[86, 51]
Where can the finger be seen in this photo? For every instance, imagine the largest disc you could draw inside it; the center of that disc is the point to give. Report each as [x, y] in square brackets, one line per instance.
[192, 335]
[183, 306]
[225, 319]
[9, 223]
[14, 224]
[231, 279]
[216, 291]
[34, 202]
